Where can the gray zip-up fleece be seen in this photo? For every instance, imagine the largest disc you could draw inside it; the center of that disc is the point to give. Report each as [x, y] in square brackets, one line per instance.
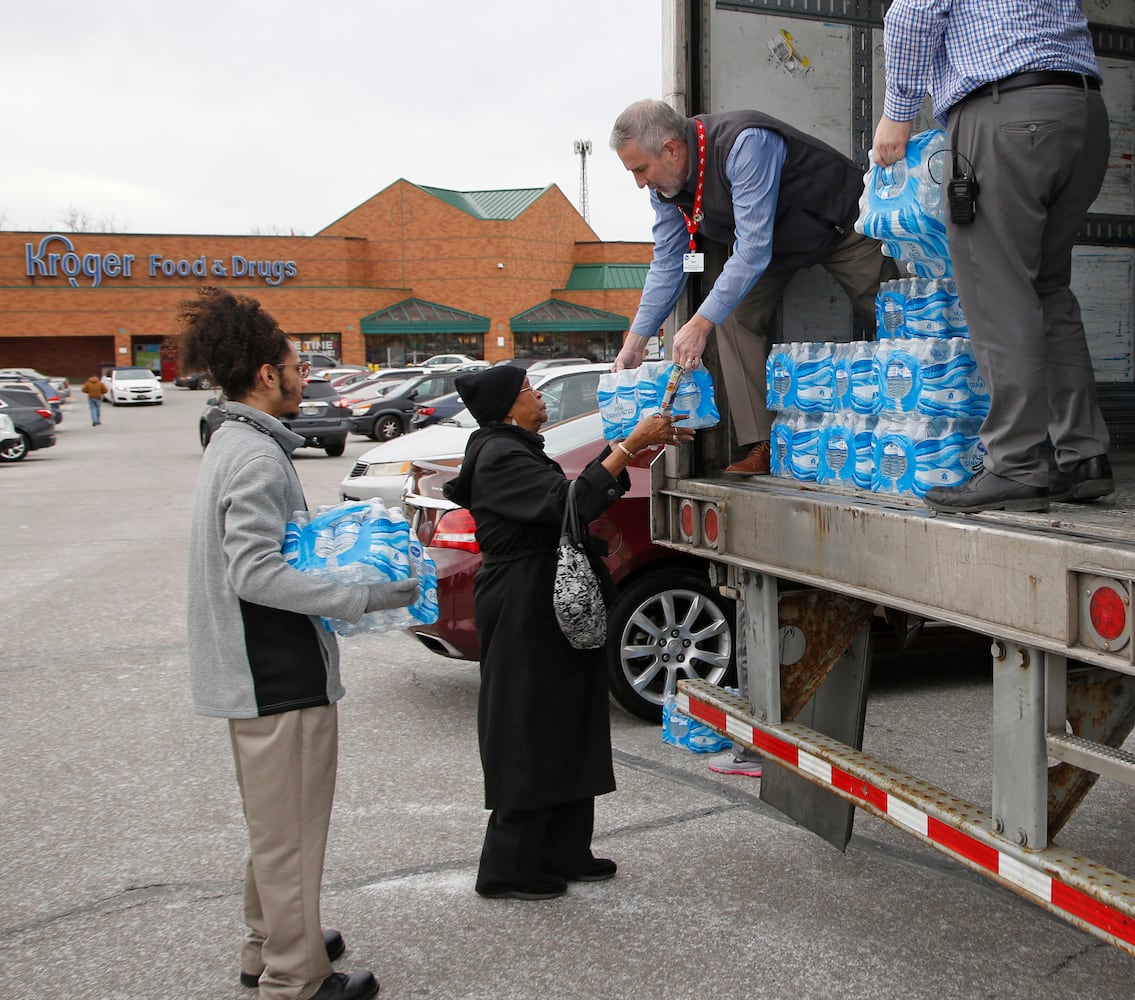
[256, 644]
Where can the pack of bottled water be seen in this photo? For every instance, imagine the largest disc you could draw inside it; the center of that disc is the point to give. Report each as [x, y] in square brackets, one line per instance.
[902, 207]
[680, 730]
[933, 377]
[913, 454]
[626, 396]
[795, 446]
[364, 542]
[845, 449]
[919, 307]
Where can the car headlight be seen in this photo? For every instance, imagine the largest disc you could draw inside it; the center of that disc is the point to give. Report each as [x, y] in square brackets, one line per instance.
[360, 411]
[388, 469]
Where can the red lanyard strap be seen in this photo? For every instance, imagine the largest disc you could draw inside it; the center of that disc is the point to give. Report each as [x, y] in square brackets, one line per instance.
[692, 223]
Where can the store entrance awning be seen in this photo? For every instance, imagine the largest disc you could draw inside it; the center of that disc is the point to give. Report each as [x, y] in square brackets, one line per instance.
[558, 316]
[419, 316]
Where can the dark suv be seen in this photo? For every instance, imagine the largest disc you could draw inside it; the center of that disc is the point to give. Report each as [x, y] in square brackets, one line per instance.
[389, 415]
[35, 423]
[322, 419]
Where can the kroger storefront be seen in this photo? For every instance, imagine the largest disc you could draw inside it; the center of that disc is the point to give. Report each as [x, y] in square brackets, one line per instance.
[411, 272]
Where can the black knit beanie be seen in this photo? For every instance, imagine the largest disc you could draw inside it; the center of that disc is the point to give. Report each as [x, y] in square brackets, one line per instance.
[490, 392]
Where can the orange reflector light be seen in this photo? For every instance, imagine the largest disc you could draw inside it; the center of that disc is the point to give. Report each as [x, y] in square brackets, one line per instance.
[1108, 613]
[709, 525]
[686, 520]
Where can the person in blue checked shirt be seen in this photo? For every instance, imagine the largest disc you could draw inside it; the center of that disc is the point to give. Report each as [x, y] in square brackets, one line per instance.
[776, 200]
[1017, 84]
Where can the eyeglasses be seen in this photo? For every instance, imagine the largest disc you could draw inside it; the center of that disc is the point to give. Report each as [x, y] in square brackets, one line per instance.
[303, 368]
[527, 388]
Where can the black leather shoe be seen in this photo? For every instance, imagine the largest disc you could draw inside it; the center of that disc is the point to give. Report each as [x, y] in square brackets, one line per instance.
[341, 986]
[539, 887]
[1089, 479]
[594, 870]
[332, 940]
[987, 491]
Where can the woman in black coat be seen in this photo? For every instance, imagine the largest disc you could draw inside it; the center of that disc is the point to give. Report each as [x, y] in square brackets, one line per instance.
[542, 719]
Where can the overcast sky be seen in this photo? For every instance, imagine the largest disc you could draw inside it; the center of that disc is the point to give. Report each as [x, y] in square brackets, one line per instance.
[241, 115]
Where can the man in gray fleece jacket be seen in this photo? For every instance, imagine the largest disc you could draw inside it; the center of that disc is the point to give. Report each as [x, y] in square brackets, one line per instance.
[259, 655]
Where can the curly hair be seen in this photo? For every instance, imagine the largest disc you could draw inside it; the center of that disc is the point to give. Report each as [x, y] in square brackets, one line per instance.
[230, 337]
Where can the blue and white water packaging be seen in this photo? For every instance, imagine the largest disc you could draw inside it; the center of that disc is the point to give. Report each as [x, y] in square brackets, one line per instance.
[902, 206]
[951, 384]
[948, 453]
[899, 370]
[364, 542]
[796, 446]
[863, 377]
[836, 448]
[681, 731]
[864, 431]
[626, 396]
[780, 444]
[815, 377]
[780, 378]
[615, 395]
[893, 453]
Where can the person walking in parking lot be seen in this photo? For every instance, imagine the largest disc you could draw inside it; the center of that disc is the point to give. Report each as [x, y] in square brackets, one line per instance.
[95, 388]
[258, 653]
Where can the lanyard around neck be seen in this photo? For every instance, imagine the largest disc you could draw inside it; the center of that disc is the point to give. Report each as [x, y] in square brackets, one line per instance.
[692, 222]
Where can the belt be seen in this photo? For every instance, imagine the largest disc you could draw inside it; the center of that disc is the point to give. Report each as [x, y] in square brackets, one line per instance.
[1047, 78]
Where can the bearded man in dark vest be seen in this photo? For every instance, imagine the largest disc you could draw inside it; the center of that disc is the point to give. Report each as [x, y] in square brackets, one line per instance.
[778, 200]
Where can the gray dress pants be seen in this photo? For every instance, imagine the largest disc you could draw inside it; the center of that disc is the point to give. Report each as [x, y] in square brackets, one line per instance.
[1040, 154]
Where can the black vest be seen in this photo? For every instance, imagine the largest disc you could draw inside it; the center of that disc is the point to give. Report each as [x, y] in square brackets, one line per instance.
[817, 202]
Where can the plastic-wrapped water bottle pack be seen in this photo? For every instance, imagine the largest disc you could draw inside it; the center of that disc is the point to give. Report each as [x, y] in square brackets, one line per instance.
[919, 307]
[627, 396]
[902, 207]
[364, 542]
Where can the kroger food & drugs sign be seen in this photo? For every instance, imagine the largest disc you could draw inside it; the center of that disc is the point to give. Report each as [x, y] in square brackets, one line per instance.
[55, 256]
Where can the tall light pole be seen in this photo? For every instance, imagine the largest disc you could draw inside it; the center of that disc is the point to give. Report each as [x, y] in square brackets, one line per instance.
[582, 150]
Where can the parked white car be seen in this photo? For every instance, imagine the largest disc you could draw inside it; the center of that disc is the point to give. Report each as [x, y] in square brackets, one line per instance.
[447, 362]
[382, 471]
[9, 436]
[132, 385]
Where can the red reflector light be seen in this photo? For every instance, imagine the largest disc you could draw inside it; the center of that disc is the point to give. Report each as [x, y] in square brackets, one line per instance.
[425, 411]
[456, 530]
[709, 525]
[686, 520]
[45, 413]
[1108, 613]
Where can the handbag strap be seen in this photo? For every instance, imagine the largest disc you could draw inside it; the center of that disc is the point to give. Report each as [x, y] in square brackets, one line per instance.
[571, 529]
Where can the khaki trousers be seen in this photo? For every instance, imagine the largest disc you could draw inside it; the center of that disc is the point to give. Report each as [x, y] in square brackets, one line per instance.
[286, 766]
[859, 266]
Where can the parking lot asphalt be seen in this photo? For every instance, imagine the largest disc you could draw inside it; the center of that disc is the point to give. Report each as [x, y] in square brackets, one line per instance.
[122, 843]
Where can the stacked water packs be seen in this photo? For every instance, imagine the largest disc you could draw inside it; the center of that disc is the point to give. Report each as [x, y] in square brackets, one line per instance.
[902, 207]
[364, 542]
[897, 415]
[626, 396]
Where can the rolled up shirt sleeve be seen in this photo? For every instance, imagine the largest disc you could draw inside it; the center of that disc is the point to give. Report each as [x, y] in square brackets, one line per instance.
[913, 32]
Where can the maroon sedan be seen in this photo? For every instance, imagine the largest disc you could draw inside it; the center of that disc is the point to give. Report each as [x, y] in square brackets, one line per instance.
[667, 623]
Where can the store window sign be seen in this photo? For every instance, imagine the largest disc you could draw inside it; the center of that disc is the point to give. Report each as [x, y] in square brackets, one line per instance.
[56, 256]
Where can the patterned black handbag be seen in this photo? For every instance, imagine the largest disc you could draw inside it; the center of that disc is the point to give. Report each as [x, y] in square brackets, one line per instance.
[576, 597]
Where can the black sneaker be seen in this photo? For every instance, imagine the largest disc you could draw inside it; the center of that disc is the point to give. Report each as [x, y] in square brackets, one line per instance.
[1089, 479]
[987, 491]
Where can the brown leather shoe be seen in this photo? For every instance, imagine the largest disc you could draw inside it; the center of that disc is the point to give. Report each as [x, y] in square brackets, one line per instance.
[753, 464]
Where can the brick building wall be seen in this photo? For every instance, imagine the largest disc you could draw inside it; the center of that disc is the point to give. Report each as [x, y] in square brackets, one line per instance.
[402, 243]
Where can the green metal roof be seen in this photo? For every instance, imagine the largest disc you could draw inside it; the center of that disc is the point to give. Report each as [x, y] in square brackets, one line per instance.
[557, 316]
[499, 205]
[419, 316]
[602, 277]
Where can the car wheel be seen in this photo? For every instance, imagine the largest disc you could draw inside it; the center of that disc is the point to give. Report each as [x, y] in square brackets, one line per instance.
[17, 452]
[387, 428]
[335, 448]
[204, 383]
[666, 626]
[204, 434]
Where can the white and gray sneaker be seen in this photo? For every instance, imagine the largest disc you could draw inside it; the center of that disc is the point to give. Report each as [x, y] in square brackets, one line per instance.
[736, 761]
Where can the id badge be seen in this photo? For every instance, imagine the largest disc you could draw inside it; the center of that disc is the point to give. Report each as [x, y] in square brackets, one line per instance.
[693, 262]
